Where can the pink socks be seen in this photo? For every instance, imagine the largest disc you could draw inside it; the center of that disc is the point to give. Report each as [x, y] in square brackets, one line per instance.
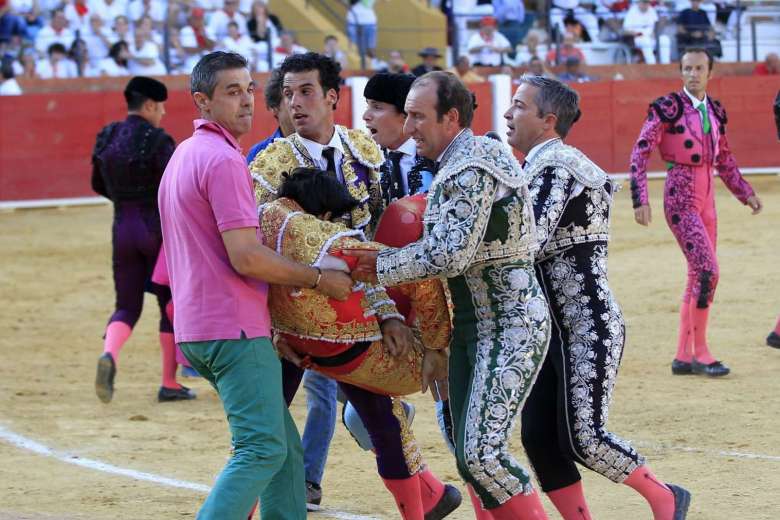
[431, 489]
[660, 497]
[777, 326]
[520, 507]
[168, 355]
[117, 334]
[570, 502]
[480, 513]
[699, 317]
[685, 338]
[406, 492]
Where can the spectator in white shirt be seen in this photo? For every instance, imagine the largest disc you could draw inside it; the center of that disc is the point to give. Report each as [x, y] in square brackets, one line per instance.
[108, 10]
[639, 23]
[154, 9]
[286, 47]
[361, 24]
[145, 52]
[56, 32]
[488, 46]
[238, 43]
[195, 39]
[120, 31]
[332, 51]
[116, 62]
[97, 38]
[218, 24]
[8, 85]
[77, 12]
[57, 65]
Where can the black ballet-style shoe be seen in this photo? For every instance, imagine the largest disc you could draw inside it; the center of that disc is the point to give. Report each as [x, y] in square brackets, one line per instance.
[104, 378]
[681, 368]
[682, 500]
[448, 503]
[773, 340]
[175, 394]
[714, 369]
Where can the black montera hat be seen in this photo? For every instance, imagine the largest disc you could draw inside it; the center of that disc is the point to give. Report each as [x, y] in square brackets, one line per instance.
[147, 87]
[389, 88]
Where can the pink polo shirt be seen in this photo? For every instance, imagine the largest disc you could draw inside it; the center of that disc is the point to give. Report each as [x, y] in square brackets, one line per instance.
[206, 190]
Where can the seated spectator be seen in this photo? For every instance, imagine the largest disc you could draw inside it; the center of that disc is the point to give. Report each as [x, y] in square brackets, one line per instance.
[108, 10]
[77, 12]
[488, 46]
[8, 84]
[117, 61]
[56, 32]
[639, 28]
[154, 9]
[537, 68]
[261, 25]
[287, 47]
[145, 51]
[218, 24]
[573, 26]
[57, 64]
[576, 9]
[396, 63]
[769, 67]
[195, 39]
[567, 49]
[361, 24]
[25, 64]
[332, 51]
[694, 30]
[30, 13]
[11, 23]
[79, 54]
[97, 38]
[238, 43]
[430, 57]
[120, 31]
[573, 72]
[463, 70]
[511, 20]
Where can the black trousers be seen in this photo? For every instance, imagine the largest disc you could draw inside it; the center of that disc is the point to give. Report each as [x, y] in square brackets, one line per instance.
[564, 419]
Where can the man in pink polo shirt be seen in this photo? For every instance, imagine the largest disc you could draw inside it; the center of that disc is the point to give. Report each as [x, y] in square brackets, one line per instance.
[219, 273]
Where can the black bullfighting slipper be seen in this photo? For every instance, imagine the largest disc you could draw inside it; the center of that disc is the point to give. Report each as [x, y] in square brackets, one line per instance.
[714, 369]
[175, 394]
[682, 499]
[773, 340]
[448, 503]
[681, 368]
[104, 378]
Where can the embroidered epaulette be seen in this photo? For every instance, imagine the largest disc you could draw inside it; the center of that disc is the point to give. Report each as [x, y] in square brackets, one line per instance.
[719, 112]
[669, 108]
[363, 148]
[269, 165]
[486, 154]
[104, 137]
[572, 161]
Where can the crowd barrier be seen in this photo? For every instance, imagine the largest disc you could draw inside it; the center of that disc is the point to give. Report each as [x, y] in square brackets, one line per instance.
[46, 139]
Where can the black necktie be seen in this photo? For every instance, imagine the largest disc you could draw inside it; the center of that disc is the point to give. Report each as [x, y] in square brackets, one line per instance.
[329, 154]
[396, 180]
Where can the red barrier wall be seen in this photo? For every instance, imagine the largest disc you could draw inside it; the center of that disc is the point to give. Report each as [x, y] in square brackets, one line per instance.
[46, 139]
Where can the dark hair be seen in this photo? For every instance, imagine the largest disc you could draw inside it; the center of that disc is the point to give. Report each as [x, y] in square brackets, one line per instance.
[557, 98]
[693, 50]
[329, 69]
[317, 192]
[56, 47]
[450, 93]
[6, 67]
[273, 89]
[116, 49]
[330, 37]
[204, 75]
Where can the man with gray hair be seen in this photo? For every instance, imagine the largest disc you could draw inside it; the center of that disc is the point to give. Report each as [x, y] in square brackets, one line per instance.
[564, 418]
[219, 274]
[479, 234]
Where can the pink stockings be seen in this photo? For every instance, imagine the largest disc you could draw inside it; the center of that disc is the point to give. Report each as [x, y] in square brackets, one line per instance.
[692, 338]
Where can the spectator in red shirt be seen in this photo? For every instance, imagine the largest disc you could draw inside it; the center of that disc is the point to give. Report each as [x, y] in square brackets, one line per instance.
[769, 67]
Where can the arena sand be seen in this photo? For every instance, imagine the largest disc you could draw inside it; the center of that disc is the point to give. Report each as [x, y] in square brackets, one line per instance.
[57, 294]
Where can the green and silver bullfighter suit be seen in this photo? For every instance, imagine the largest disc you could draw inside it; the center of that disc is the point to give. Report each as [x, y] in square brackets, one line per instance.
[479, 233]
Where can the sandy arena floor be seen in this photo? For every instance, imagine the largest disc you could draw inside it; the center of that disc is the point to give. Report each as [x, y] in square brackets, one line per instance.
[719, 438]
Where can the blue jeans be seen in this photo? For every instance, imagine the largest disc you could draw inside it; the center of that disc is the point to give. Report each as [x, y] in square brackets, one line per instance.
[320, 423]
[363, 36]
[267, 458]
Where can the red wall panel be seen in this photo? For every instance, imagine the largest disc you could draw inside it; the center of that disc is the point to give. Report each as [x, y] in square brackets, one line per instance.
[46, 139]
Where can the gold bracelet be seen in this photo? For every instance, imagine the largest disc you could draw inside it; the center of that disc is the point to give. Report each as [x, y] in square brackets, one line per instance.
[319, 277]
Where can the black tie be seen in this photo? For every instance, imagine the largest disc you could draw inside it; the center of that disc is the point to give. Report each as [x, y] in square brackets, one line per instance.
[396, 180]
[329, 153]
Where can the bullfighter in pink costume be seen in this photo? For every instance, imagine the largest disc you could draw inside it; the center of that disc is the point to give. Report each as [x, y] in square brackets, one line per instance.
[689, 129]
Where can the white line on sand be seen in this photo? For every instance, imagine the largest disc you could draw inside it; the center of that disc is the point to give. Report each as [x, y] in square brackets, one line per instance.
[36, 447]
[718, 453]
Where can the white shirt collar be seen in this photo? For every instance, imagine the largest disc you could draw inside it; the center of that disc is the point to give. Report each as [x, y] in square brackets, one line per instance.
[533, 151]
[696, 102]
[315, 149]
[408, 148]
[438, 159]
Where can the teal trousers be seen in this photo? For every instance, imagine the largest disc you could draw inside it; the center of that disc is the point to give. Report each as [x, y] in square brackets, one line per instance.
[267, 460]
